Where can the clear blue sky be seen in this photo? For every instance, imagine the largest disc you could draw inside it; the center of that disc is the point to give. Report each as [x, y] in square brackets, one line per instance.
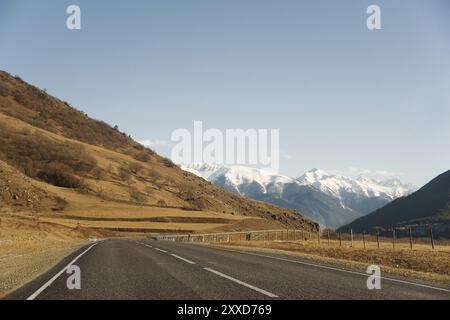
[344, 98]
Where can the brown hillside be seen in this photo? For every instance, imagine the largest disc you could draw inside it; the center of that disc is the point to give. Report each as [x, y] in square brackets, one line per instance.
[84, 167]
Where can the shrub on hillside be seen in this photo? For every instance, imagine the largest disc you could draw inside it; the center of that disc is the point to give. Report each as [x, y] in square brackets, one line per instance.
[44, 158]
[59, 175]
[161, 203]
[142, 156]
[135, 167]
[154, 175]
[136, 196]
[168, 163]
[124, 174]
[98, 173]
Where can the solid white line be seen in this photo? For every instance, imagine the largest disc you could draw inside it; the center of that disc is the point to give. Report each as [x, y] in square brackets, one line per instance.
[49, 282]
[181, 258]
[267, 293]
[338, 269]
[161, 250]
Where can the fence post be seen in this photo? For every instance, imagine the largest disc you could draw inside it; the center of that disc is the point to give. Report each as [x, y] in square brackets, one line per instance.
[318, 236]
[410, 238]
[328, 235]
[378, 239]
[432, 238]
[351, 238]
[393, 238]
[340, 240]
[364, 239]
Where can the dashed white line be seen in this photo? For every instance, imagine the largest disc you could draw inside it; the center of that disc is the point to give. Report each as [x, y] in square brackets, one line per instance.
[267, 293]
[181, 258]
[144, 244]
[49, 282]
[172, 254]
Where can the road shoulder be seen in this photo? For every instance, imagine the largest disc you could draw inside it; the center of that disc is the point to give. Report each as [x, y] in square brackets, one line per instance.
[35, 269]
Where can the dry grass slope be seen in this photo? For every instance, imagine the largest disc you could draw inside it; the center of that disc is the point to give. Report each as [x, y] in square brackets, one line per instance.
[77, 161]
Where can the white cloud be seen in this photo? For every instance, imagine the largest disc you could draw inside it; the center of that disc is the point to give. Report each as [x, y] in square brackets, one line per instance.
[152, 143]
[388, 173]
[375, 174]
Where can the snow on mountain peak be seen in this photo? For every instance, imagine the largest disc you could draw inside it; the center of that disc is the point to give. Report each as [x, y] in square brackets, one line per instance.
[237, 176]
[331, 199]
[314, 175]
[339, 185]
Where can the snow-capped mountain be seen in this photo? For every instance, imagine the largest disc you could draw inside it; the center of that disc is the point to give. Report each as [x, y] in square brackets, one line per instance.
[337, 184]
[331, 200]
[239, 178]
[361, 194]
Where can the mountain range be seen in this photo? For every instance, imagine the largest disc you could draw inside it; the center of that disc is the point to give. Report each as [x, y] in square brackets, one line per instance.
[428, 206]
[332, 200]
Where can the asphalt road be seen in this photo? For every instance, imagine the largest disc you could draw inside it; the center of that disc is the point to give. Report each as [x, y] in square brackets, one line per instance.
[148, 269]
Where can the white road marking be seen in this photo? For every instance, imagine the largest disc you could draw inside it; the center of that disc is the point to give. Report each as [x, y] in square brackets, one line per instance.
[144, 244]
[173, 255]
[181, 258]
[49, 282]
[267, 293]
[337, 269]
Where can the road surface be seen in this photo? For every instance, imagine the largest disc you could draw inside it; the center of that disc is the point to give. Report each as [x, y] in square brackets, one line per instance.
[149, 269]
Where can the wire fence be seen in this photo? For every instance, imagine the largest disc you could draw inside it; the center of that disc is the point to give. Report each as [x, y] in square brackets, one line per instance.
[395, 238]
